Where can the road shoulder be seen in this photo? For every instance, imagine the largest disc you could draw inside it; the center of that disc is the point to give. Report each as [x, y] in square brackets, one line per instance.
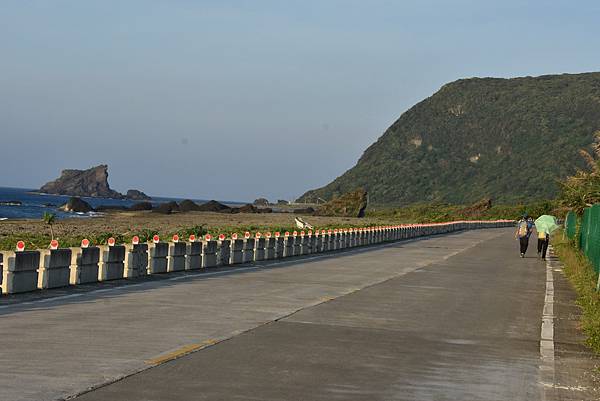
[576, 366]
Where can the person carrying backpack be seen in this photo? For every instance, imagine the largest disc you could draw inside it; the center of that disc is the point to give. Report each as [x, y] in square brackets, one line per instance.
[524, 227]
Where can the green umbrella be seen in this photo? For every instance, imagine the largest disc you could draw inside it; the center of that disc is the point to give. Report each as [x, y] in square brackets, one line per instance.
[546, 223]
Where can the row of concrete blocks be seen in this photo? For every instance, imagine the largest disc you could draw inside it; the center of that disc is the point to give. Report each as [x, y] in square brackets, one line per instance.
[30, 270]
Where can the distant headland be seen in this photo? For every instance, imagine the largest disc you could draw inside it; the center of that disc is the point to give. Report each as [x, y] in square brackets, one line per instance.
[92, 182]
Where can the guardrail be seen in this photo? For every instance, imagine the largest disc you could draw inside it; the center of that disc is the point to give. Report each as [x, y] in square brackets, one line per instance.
[22, 271]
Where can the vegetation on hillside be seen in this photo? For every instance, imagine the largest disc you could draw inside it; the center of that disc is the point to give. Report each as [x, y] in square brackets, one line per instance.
[437, 213]
[508, 139]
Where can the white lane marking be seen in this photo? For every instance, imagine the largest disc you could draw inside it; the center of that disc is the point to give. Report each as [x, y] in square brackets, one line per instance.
[547, 366]
[570, 388]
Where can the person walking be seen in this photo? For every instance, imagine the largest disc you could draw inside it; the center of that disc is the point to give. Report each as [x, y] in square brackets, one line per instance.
[543, 241]
[524, 227]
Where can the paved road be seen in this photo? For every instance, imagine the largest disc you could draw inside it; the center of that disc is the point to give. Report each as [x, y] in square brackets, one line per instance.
[453, 317]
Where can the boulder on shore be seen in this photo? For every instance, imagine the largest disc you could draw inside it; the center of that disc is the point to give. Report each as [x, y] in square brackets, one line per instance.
[248, 208]
[188, 206]
[139, 206]
[166, 208]
[134, 194]
[261, 202]
[351, 204]
[214, 206]
[76, 205]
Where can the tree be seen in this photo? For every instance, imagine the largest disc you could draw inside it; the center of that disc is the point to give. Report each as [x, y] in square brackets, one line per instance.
[583, 189]
[49, 219]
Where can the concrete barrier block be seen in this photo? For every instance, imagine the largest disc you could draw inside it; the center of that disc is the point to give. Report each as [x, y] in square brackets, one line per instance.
[248, 251]
[259, 249]
[209, 253]
[176, 257]
[296, 245]
[136, 260]
[331, 242]
[157, 257]
[310, 245]
[318, 246]
[302, 248]
[288, 246]
[84, 265]
[20, 271]
[269, 248]
[279, 247]
[224, 252]
[325, 242]
[55, 268]
[112, 262]
[193, 255]
[237, 249]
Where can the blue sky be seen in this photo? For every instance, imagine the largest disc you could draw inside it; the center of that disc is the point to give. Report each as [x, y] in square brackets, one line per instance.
[240, 99]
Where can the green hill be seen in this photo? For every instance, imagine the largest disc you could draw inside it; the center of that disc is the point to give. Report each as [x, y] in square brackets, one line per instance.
[508, 139]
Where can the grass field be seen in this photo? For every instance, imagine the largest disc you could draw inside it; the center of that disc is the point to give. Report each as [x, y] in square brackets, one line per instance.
[124, 225]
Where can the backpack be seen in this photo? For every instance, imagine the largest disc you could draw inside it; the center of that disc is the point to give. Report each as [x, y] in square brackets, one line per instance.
[523, 228]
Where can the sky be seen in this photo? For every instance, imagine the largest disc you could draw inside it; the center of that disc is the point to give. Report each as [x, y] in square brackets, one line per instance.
[235, 100]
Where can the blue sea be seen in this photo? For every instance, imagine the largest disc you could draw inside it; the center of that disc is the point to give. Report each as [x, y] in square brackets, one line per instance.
[34, 205]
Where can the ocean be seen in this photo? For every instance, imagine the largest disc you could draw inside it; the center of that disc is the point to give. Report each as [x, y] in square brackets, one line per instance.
[33, 205]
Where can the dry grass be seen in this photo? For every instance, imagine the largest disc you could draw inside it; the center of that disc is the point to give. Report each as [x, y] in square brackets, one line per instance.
[123, 225]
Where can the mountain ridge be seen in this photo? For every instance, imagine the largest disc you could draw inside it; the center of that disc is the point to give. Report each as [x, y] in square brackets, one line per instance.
[505, 138]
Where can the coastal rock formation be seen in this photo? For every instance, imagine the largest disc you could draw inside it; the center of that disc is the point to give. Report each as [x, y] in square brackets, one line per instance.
[134, 194]
[351, 204]
[248, 208]
[261, 202]
[166, 208]
[214, 206]
[76, 205]
[188, 206]
[91, 182]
